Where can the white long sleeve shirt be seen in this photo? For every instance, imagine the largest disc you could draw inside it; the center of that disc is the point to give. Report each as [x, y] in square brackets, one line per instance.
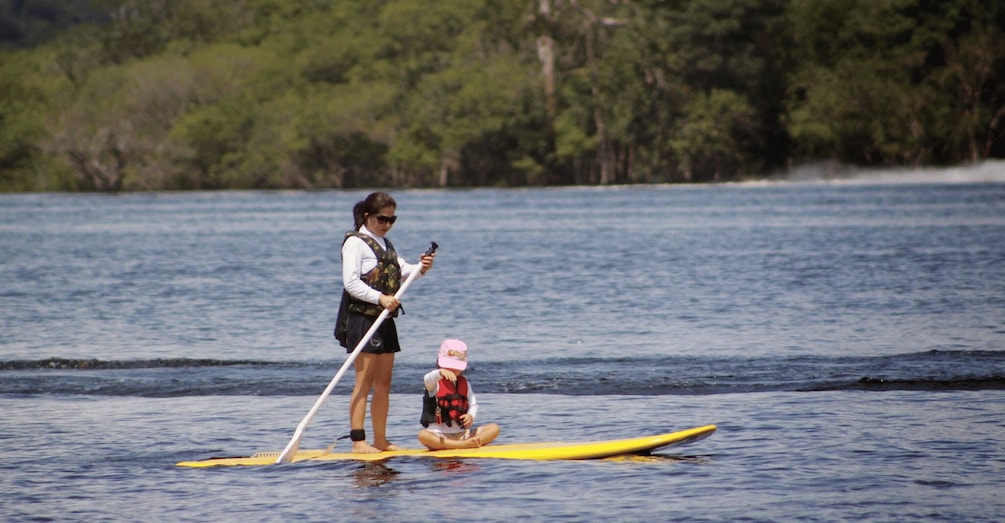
[358, 259]
[432, 382]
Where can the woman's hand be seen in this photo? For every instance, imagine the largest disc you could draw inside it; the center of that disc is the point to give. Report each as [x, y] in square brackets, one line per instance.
[388, 302]
[427, 262]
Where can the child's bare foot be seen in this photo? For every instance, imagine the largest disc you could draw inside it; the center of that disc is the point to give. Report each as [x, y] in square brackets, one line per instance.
[362, 447]
[473, 443]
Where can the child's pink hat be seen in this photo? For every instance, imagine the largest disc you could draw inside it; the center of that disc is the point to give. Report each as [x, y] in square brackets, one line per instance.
[453, 355]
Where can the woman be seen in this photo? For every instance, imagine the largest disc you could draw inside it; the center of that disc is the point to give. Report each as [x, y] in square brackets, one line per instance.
[372, 272]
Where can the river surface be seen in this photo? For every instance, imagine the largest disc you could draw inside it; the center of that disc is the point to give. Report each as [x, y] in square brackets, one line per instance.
[847, 337]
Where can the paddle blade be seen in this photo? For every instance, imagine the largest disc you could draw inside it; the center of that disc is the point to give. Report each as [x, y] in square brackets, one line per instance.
[286, 456]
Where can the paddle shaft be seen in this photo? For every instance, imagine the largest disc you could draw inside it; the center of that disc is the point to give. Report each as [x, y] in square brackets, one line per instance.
[291, 448]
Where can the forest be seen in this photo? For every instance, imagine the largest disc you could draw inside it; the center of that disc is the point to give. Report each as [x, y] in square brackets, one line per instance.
[144, 95]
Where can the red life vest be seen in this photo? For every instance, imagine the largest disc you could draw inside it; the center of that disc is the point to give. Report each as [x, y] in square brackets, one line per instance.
[448, 405]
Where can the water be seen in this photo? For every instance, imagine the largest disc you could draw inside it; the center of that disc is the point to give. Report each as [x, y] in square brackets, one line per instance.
[847, 337]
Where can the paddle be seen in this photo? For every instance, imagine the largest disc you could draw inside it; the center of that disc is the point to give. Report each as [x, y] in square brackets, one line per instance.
[291, 448]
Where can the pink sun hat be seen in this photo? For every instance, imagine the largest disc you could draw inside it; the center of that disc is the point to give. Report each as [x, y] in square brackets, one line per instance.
[453, 355]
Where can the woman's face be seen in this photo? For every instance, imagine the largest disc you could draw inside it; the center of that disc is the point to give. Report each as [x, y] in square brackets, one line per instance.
[381, 222]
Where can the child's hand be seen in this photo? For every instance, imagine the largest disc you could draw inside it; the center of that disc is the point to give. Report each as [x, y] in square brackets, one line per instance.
[449, 374]
[466, 421]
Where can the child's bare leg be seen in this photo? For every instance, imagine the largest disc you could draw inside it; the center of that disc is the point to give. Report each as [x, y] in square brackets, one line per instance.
[434, 441]
[485, 434]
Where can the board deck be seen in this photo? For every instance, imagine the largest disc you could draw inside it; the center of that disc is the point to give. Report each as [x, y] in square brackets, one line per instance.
[525, 451]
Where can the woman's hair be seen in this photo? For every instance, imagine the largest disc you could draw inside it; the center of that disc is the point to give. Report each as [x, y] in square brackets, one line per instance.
[372, 205]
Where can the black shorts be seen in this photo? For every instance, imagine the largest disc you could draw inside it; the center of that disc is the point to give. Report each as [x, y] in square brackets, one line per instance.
[384, 341]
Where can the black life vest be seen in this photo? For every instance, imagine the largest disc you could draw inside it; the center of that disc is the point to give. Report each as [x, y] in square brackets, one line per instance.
[448, 405]
[385, 277]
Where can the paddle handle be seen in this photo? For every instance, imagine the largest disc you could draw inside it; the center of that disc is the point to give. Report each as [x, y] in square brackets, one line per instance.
[291, 448]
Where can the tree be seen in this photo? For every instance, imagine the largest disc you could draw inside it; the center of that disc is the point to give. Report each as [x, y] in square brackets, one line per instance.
[711, 138]
[213, 94]
[898, 81]
[974, 75]
[25, 94]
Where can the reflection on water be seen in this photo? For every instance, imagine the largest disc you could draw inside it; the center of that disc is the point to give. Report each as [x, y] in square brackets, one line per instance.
[373, 474]
[378, 474]
[661, 458]
[455, 465]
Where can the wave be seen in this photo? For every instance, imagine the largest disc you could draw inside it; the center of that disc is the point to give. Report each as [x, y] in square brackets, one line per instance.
[676, 375]
[876, 384]
[96, 364]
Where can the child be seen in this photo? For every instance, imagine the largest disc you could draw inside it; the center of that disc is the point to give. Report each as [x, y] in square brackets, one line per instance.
[449, 406]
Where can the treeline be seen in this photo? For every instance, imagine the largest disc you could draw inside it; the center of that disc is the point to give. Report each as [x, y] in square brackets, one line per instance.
[124, 95]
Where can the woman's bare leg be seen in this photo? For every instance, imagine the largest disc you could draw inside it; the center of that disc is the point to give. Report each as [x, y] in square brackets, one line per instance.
[364, 366]
[381, 401]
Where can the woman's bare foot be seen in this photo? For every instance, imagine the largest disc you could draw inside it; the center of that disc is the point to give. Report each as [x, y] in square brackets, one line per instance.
[362, 447]
[387, 447]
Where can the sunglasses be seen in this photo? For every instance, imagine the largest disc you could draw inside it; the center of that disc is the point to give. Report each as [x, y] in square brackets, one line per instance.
[386, 219]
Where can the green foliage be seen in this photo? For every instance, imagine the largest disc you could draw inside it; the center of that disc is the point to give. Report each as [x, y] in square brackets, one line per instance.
[897, 81]
[113, 95]
[25, 96]
[710, 141]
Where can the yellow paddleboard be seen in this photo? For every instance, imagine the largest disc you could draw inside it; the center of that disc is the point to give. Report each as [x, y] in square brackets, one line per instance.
[527, 451]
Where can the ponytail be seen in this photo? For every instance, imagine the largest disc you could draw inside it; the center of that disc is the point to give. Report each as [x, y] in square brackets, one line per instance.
[359, 214]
